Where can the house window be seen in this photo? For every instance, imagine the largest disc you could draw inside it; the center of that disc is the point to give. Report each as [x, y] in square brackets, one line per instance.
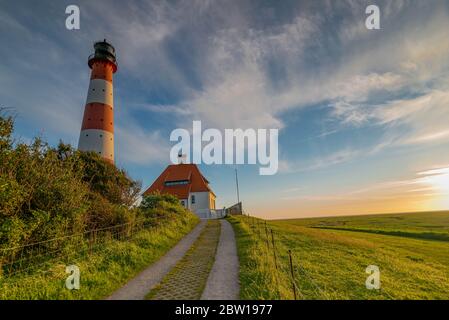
[193, 199]
[174, 183]
[183, 203]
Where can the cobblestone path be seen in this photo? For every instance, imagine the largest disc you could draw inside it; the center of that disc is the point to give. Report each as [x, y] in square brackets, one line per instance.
[188, 278]
[138, 287]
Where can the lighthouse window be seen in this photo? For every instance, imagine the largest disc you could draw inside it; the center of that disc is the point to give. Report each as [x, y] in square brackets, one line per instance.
[101, 136]
[99, 152]
[93, 89]
[103, 90]
[87, 135]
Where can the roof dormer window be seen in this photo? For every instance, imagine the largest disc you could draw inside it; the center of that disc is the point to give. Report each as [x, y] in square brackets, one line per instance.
[175, 183]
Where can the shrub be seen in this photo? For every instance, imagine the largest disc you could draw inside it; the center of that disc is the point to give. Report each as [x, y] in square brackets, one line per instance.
[47, 192]
[157, 200]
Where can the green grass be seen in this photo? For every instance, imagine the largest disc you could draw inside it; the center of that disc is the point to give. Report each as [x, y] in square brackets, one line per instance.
[330, 256]
[422, 225]
[104, 271]
[258, 279]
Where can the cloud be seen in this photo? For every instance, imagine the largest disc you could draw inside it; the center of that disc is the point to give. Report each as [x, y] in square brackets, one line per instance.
[237, 90]
[338, 157]
[428, 183]
[421, 119]
[137, 146]
[161, 108]
[191, 61]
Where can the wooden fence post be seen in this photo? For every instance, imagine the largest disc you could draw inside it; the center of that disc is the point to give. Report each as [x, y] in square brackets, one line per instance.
[293, 274]
[266, 234]
[274, 249]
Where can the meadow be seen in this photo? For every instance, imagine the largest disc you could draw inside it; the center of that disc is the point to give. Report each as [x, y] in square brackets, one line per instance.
[330, 256]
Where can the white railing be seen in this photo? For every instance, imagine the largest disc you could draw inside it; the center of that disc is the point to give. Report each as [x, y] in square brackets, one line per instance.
[211, 213]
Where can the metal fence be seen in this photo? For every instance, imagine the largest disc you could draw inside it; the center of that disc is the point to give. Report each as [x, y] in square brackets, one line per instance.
[43, 255]
[286, 263]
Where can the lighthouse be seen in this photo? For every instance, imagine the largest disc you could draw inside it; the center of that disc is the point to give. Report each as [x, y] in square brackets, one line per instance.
[97, 130]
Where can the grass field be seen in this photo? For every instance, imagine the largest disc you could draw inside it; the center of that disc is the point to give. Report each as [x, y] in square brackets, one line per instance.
[103, 271]
[330, 256]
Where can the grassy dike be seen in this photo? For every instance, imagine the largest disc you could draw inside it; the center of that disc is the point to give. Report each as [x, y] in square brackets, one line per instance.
[259, 279]
[105, 270]
[331, 263]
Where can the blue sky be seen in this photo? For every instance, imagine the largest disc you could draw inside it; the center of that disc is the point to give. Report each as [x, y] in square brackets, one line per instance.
[362, 113]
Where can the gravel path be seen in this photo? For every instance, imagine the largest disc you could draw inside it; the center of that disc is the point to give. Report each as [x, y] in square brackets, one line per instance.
[223, 280]
[137, 288]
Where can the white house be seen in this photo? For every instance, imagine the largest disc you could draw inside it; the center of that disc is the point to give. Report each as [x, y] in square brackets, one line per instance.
[186, 182]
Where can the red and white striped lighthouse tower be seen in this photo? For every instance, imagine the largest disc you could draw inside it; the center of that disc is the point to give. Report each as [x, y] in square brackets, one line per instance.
[97, 131]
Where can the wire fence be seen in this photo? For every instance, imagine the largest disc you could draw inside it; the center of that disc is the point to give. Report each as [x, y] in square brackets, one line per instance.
[284, 263]
[42, 255]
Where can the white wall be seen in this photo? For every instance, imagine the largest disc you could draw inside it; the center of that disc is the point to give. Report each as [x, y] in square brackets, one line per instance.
[201, 201]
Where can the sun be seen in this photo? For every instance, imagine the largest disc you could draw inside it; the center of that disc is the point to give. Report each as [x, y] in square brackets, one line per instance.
[438, 181]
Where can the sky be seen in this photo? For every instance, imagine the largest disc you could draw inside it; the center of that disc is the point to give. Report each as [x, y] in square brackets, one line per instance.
[362, 114]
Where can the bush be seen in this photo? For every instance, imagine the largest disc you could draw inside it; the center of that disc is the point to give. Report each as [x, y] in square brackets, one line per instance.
[157, 200]
[105, 179]
[48, 192]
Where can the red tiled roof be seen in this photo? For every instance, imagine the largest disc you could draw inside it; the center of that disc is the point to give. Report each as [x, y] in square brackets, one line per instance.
[180, 172]
[178, 175]
[180, 191]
